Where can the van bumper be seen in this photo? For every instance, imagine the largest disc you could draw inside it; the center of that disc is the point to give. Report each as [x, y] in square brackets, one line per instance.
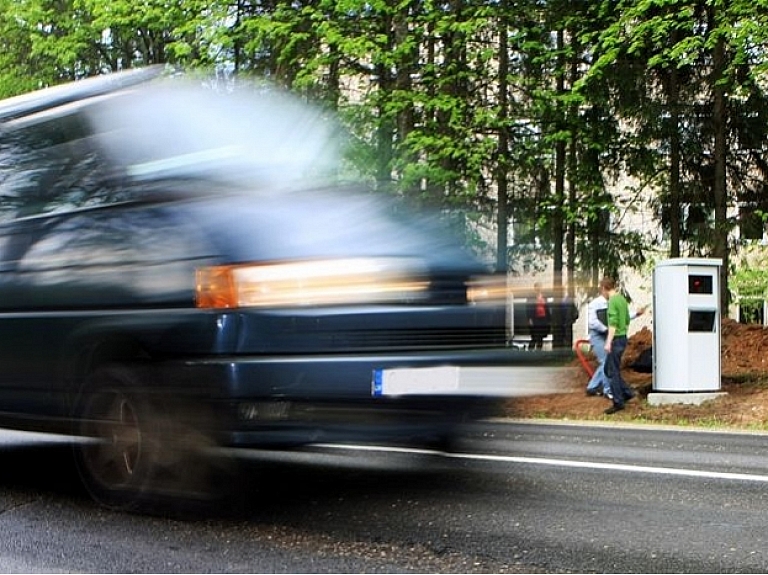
[286, 400]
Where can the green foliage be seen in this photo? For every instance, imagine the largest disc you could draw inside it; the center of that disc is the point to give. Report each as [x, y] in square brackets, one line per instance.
[749, 280]
[593, 92]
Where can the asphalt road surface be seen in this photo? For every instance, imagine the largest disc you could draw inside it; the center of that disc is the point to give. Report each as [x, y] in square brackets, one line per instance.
[514, 498]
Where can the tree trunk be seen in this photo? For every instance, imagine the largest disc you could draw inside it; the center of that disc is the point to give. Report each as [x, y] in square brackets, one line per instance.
[674, 159]
[557, 218]
[406, 69]
[572, 177]
[386, 125]
[502, 216]
[719, 111]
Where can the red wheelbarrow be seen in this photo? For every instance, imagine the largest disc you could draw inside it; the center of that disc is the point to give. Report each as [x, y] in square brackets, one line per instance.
[578, 348]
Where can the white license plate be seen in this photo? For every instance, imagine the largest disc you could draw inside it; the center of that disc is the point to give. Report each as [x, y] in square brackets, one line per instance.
[510, 381]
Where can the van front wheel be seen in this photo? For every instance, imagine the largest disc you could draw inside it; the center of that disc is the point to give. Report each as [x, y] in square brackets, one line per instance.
[136, 446]
[114, 456]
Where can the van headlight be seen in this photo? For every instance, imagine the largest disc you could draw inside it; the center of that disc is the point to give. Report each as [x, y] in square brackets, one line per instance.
[311, 283]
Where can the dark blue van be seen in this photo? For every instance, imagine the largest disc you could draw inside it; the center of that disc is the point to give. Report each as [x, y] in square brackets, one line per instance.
[170, 282]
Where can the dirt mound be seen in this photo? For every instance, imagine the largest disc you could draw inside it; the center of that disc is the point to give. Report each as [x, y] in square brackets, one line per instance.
[636, 345]
[743, 349]
[744, 376]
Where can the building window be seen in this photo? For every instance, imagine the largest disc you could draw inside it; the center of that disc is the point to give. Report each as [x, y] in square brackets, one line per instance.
[750, 224]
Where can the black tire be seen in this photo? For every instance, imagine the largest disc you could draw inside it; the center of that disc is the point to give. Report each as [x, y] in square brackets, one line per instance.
[137, 446]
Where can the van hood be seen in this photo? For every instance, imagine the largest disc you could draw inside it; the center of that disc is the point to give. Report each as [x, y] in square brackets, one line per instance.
[325, 224]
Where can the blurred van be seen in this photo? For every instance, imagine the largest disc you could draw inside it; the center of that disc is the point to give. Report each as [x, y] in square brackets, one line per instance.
[176, 275]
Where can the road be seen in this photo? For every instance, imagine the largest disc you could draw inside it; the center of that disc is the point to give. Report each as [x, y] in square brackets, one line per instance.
[515, 498]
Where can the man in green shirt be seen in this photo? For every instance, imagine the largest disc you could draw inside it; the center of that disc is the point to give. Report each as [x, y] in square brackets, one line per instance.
[615, 344]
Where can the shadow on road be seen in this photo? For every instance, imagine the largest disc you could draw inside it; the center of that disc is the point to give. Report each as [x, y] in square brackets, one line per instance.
[253, 486]
[34, 464]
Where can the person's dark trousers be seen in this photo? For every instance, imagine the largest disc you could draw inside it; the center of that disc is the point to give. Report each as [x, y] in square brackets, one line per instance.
[612, 368]
[538, 333]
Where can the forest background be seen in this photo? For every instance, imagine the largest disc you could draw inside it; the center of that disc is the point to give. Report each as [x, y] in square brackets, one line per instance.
[522, 115]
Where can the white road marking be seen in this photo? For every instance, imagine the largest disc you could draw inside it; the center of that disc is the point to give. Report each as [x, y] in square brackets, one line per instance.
[561, 463]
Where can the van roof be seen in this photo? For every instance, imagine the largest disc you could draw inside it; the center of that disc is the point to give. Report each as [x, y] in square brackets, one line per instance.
[47, 98]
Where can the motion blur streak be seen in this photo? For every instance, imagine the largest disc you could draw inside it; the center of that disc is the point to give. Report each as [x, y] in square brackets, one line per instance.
[248, 134]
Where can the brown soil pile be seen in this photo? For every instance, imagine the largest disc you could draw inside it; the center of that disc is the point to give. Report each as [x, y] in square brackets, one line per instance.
[743, 349]
[744, 376]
